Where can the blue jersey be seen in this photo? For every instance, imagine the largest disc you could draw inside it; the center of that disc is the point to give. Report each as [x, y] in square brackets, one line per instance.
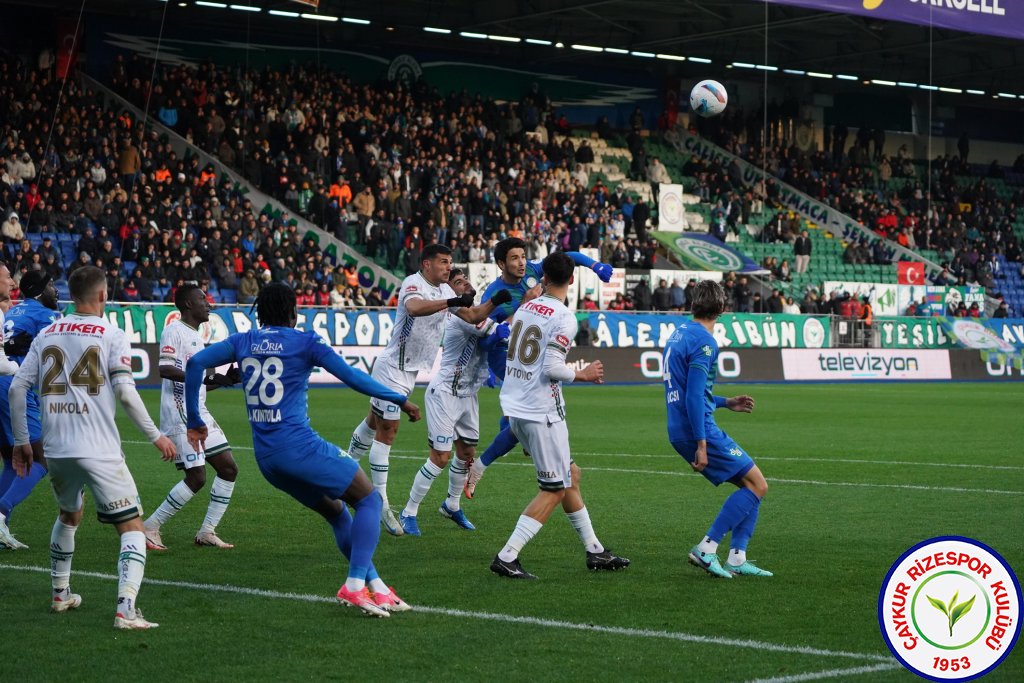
[690, 367]
[29, 316]
[275, 363]
[529, 280]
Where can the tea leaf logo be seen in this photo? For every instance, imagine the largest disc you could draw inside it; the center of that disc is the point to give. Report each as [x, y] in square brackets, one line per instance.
[953, 611]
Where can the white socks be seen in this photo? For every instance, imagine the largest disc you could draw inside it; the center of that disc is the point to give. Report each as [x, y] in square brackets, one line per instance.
[708, 546]
[458, 472]
[526, 529]
[176, 499]
[580, 521]
[362, 437]
[62, 548]
[355, 585]
[420, 486]
[220, 496]
[737, 557]
[378, 586]
[380, 453]
[130, 567]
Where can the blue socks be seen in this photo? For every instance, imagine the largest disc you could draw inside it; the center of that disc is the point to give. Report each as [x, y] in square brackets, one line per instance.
[365, 532]
[504, 442]
[6, 476]
[342, 527]
[20, 489]
[735, 510]
[742, 532]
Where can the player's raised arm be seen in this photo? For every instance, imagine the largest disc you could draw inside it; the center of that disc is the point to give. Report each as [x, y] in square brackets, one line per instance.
[477, 314]
[325, 357]
[603, 270]
[119, 368]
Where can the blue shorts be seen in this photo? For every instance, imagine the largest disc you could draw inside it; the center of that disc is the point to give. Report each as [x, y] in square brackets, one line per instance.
[309, 474]
[35, 427]
[726, 460]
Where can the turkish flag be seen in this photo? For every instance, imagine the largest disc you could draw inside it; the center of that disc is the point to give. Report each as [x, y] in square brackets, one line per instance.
[910, 273]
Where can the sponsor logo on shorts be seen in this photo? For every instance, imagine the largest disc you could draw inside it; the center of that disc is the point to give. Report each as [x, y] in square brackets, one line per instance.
[117, 504]
[167, 349]
[949, 609]
[547, 475]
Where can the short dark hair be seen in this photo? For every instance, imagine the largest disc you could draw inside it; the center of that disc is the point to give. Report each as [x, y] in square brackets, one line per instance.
[86, 280]
[455, 273]
[506, 245]
[708, 301]
[558, 268]
[435, 250]
[275, 305]
[181, 294]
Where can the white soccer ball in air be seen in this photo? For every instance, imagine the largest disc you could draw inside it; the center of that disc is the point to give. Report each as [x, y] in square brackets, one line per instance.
[708, 98]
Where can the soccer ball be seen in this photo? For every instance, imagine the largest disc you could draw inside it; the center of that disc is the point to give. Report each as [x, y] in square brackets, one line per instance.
[708, 98]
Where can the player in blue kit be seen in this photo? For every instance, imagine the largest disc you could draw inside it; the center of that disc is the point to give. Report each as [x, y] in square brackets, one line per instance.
[36, 312]
[275, 361]
[690, 369]
[521, 278]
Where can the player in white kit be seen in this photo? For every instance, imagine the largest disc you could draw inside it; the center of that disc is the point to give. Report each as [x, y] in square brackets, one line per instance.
[179, 342]
[80, 364]
[453, 412]
[423, 302]
[531, 397]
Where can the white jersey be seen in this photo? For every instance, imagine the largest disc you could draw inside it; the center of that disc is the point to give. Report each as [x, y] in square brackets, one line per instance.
[542, 327]
[178, 343]
[463, 363]
[414, 342]
[75, 363]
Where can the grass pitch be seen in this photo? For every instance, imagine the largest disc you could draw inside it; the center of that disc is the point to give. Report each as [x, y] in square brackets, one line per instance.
[857, 474]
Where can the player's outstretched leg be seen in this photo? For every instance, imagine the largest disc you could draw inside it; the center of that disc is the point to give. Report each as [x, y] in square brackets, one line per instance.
[362, 438]
[506, 563]
[380, 455]
[383, 595]
[734, 510]
[599, 558]
[364, 535]
[458, 473]
[502, 444]
[738, 564]
[131, 566]
[177, 498]
[62, 549]
[18, 490]
[220, 497]
[425, 476]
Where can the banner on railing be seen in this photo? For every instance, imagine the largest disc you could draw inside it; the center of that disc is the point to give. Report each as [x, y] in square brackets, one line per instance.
[704, 252]
[821, 214]
[912, 333]
[992, 17]
[739, 330]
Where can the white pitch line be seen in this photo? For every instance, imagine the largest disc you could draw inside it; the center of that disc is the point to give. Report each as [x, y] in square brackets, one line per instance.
[684, 473]
[763, 646]
[830, 673]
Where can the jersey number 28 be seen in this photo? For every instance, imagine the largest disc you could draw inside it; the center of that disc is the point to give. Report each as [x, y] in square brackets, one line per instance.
[263, 387]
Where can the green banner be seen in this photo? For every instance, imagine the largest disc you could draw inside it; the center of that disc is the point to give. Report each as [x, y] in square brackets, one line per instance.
[912, 333]
[737, 330]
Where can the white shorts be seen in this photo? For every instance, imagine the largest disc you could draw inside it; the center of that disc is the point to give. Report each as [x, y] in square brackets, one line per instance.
[187, 458]
[401, 381]
[109, 481]
[451, 417]
[548, 445]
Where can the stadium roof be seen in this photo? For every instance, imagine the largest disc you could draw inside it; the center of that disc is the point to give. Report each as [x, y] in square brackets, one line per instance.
[630, 31]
